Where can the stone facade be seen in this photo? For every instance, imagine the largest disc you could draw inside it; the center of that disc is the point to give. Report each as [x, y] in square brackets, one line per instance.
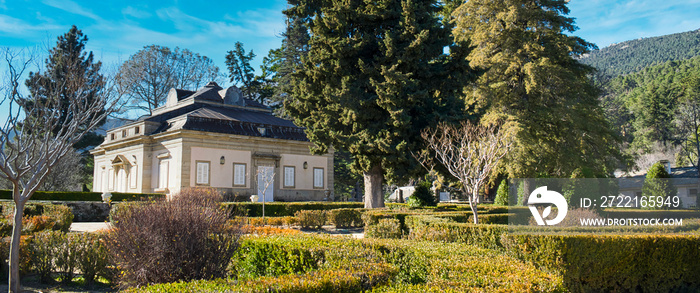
[212, 138]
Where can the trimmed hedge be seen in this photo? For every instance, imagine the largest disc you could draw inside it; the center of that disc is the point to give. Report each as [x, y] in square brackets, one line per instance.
[120, 196]
[82, 196]
[346, 218]
[651, 214]
[440, 229]
[58, 195]
[614, 263]
[285, 209]
[323, 281]
[347, 265]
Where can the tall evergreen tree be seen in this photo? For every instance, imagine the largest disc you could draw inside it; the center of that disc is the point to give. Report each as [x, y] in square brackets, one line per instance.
[241, 72]
[295, 46]
[374, 76]
[531, 75]
[68, 65]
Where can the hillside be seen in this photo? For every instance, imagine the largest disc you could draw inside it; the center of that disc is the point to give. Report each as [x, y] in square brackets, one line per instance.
[632, 56]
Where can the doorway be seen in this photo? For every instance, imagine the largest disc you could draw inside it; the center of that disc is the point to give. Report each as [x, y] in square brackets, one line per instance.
[266, 183]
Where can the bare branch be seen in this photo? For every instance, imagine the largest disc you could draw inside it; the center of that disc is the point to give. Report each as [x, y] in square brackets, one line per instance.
[469, 153]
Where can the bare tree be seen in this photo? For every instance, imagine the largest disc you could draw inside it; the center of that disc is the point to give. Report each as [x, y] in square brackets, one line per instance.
[149, 74]
[469, 153]
[31, 148]
[267, 179]
[63, 176]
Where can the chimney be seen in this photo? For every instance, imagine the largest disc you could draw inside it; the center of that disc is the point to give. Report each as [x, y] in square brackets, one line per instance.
[667, 165]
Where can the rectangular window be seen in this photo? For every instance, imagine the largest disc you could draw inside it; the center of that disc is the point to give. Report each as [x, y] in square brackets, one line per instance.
[163, 174]
[124, 133]
[202, 173]
[288, 176]
[112, 136]
[137, 130]
[318, 177]
[239, 174]
[692, 192]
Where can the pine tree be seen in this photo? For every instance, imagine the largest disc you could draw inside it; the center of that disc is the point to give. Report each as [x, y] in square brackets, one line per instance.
[295, 46]
[530, 75]
[241, 72]
[68, 65]
[375, 75]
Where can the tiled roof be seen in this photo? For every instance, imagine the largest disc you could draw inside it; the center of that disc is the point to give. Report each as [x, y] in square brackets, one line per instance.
[205, 110]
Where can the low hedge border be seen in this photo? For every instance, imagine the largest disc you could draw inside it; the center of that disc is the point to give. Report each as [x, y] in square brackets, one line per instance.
[328, 280]
[441, 229]
[284, 209]
[614, 263]
[82, 196]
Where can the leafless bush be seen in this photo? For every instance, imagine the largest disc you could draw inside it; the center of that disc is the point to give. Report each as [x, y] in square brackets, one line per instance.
[179, 240]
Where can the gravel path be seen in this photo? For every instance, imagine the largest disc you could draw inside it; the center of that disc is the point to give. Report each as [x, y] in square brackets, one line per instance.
[88, 226]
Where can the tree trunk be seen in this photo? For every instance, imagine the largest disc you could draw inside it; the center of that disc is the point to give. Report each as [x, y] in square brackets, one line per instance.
[14, 280]
[472, 203]
[526, 190]
[373, 188]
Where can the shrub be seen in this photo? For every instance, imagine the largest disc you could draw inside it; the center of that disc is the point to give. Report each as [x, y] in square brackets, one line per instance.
[414, 203]
[66, 256]
[91, 255]
[424, 194]
[385, 228]
[344, 218]
[5, 227]
[657, 187]
[43, 249]
[33, 224]
[183, 239]
[62, 214]
[311, 219]
[40, 217]
[502, 194]
[25, 264]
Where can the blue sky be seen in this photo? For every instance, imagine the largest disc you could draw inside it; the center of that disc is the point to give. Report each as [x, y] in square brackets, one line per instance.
[117, 29]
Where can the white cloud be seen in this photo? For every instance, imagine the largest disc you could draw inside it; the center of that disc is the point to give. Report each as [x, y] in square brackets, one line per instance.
[14, 26]
[135, 12]
[72, 7]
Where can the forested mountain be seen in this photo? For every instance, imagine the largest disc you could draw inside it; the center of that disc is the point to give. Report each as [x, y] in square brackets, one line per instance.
[655, 106]
[632, 56]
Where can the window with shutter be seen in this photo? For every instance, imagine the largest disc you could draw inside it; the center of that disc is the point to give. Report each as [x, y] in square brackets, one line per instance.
[202, 173]
[239, 174]
[288, 176]
[318, 177]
